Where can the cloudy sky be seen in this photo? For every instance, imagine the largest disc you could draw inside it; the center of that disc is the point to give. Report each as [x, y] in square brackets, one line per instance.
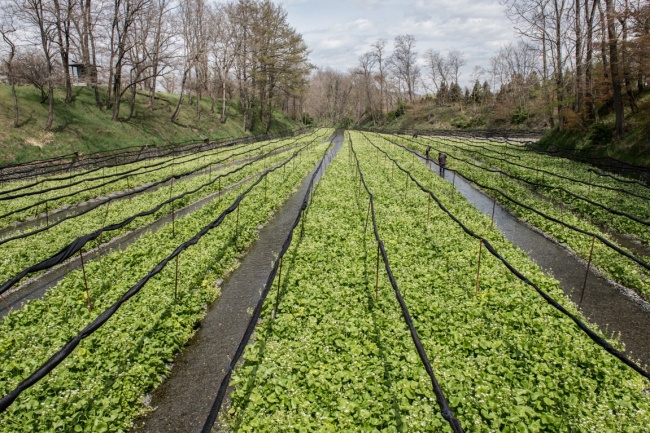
[339, 31]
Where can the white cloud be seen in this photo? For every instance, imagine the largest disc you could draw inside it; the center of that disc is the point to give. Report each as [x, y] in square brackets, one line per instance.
[338, 32]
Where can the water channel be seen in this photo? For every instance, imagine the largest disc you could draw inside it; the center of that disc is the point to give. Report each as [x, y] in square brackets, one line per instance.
[183, 401]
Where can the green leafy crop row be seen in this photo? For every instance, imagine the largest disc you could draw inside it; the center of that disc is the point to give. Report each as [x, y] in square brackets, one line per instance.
[21, 253]
[338, 356]
[525, 164]
[610, 262]
[167, 167]
[100, 386]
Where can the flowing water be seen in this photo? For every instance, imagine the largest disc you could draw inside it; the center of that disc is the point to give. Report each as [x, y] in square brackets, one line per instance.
[183, 401]
[614, 309]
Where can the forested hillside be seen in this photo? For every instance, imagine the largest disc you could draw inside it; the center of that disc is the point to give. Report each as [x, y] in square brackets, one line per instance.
[213, 60]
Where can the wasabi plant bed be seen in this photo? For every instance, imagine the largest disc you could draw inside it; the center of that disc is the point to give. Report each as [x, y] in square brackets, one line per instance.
[585, 191]
[19, 205]
[21, 253]
[99, 387]
[338, 355]
[611, 263]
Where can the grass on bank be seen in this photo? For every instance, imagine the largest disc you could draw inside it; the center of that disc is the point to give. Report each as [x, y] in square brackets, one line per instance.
[82, 127]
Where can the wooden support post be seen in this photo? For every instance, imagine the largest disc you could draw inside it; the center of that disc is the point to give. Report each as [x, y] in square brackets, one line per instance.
[428, 209]
[176, 280]
[406, 187]
[277, 295]
[584, 285]
[86, 293]
[377, 275]
[171, 188]
[237, 223]
[494, 205]
[6, 303]
[265, 182]
[365, 226]
[454, 181]
[108, 204]
[478, 270]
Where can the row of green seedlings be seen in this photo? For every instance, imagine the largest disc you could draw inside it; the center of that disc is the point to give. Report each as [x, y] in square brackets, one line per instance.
[623, 209]
[20, 208]
[28, 251]
[337, 357]
[100, 385]
[580, 235]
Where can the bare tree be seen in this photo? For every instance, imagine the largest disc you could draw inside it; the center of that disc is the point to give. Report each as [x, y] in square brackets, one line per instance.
[614, 66]
[455, 61]
[437, 67]
[62, 16]
[404, 62]
[367, 63]
[7, 30]
[161, 43]
[378, 49]
[125, 13]
[33, 12]
[224, 45]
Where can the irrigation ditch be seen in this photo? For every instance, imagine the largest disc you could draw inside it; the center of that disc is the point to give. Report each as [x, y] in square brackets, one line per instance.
[50, 218]
[35, 287]
[617, 310]
[183, 400]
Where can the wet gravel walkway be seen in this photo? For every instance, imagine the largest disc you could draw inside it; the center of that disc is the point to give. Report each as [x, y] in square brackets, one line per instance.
[613, 308]
[183, 401]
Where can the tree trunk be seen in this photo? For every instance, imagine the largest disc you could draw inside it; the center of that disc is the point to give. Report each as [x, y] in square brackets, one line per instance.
[559, 74]
[578, 48]
[589, 85]
[603, 41]
[627, 74]
[614, 66]
[10, 73]
[223, 101]
[547, 94]
[180, 98]
[50, 106]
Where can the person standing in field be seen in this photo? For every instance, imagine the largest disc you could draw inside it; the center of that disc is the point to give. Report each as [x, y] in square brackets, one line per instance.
[442, 163]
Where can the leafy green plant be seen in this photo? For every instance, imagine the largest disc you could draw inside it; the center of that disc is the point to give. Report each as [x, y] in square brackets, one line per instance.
[337, 356]
[99, 387]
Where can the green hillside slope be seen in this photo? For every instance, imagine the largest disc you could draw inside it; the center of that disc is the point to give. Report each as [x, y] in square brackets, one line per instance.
[82, 127]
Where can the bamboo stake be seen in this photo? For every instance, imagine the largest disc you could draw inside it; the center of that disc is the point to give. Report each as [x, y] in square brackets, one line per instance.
[86, 293]
[176, 280]
[365, 226]
[584, 285]
[171, 188]
[377, 276]
[478, 270]
[237, 224]
[277, 295]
